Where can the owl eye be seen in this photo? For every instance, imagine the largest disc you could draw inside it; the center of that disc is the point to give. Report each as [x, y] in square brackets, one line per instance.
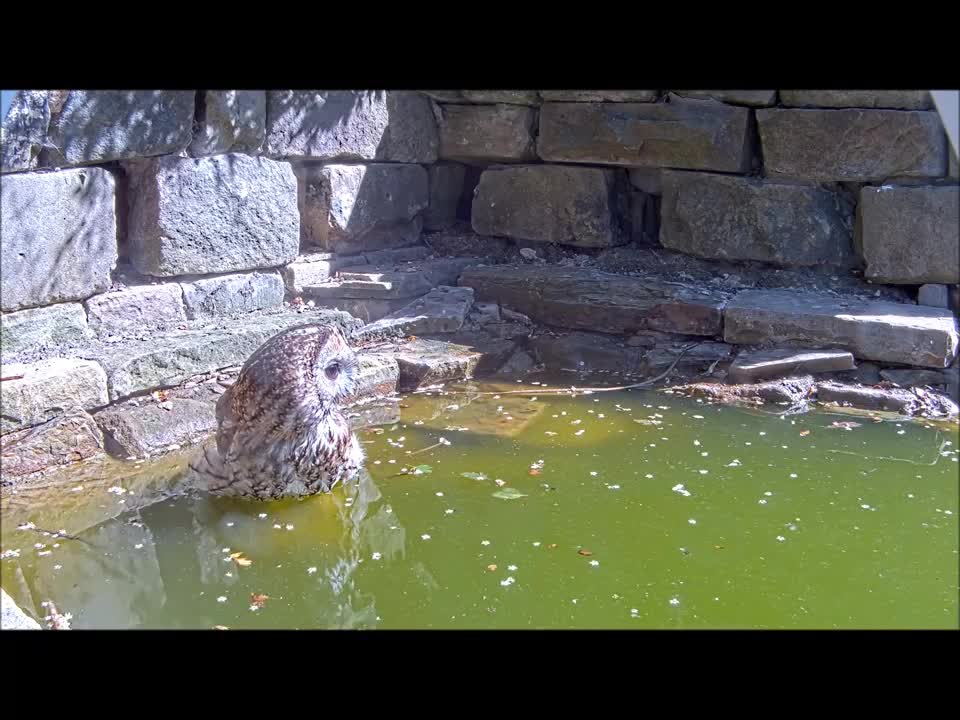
[332, 371]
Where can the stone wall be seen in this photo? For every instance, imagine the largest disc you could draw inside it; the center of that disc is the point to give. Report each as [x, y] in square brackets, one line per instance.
[149, 237]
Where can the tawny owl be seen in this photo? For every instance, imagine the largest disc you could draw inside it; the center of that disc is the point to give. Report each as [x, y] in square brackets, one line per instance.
[280, 430]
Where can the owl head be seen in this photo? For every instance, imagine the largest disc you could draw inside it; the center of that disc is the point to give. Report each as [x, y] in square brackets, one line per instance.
[304, 365]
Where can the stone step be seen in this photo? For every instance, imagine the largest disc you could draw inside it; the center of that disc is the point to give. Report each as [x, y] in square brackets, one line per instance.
[581, 299]
[872, 330]
[442, 310]
[431, 362]
[32, 393]
[752, 367]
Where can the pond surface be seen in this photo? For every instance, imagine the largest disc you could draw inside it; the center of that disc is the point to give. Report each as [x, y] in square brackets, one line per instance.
[633, 509]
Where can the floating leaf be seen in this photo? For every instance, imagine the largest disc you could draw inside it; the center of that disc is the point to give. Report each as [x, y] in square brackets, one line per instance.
[220, 627]
[534, 471]
[240, 560]
[509, 494]
[552, 546]
[491, 567]
[474, 476]
[804, 433]
[258, 600]
[422, 470]
[584, 552]
[844, 424]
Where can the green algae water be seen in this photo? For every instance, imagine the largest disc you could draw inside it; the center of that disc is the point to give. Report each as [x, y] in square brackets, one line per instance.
[626, 510]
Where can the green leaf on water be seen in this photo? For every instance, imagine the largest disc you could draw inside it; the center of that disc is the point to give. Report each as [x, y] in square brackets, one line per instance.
[509, 494]
[474, 476]
[422, 470]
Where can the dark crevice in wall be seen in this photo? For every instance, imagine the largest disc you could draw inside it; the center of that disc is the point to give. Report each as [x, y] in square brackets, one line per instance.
[471, 177]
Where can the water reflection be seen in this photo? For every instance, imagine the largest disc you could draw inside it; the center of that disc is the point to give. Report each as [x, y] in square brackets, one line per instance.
[157, 566]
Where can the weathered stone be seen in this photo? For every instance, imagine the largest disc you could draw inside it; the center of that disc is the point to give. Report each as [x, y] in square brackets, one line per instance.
[231, 121]
[97, 126]
[892, 99]
[487, 133]
[232, 294]
[753, 98]
[688, 359]
[458, 242]
[552, 203]
[137, 308]
[151, 428]
[752, 367]
[298, 275]
[377, 377]
[723, 217]
[867, 398]
[62, 440]
[446, 186]
[33, 393]
[586, 352]
[910, 235]
[59, 236]
[13, 618]
[872, 330]
[353, 208]
[851, 145]
[442, 310]
[23, 131]
[171, 359]
[647, 179]
[597, 301]
[789, 391]
[52, 326]
[345, 126]
[367, 310]
[429, 362]
[934, 296]
[684, 134]
[599, 95]
[392, 256]
[515, 97]
[519, 363]
[382, 411]
[915, 377]
[216, 214]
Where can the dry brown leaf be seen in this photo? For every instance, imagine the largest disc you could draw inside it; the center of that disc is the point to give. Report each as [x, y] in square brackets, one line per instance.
[584, 552]
[552, 546]
[240, 560]
[258, 599]
[491, 568]
[804, 433]
[534, 471]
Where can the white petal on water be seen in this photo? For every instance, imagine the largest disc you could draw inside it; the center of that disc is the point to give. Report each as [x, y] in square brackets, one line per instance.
[138, 546]
[536, 544]
[484, 542]
[761, 501]
[768, 493]
[425, 537]
[780, 538]
[376, 556]
[674, 601]
[262, 515]
[594, 563]
[703, 472]
[222, 599]
[439, 494]
[692, 521]
[311, 570]
[649, 476]
[448, 511]
[508, 581]
[512, 568]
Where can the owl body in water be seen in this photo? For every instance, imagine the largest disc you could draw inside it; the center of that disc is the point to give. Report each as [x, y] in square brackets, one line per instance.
[280, 432]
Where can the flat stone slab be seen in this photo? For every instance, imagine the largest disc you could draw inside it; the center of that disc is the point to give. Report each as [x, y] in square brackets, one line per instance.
[390, 281]
[62, 440]
[170, 359]
[562, 204]
[351, 126]
[223, 213]
[487, 133]
[430, 362]
[734, 218]
[871, 330]
[683, 134]
[442, 310]
[597, 301]
[890, 99]
[910, 235]
[51, 326]
[233, 294]
[768, 364]
[140, 308]
[851, 145]
[59, 236]
[233, 121]
[788, 391]
[886, 399]
[753, 98]
[914, 377]
[152, 427]
[599, 95]
[36, 392]
[377, 377]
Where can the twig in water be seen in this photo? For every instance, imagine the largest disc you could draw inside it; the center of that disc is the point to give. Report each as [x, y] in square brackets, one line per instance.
[645, 383]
